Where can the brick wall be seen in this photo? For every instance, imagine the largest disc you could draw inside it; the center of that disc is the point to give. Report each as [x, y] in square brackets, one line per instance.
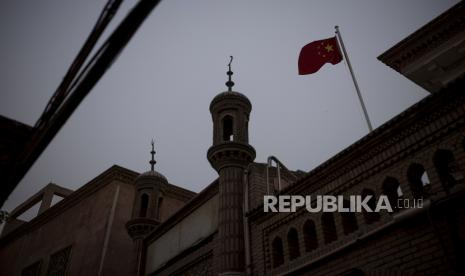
[427, 242]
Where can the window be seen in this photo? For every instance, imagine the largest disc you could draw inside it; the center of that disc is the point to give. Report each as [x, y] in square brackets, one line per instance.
[349, 221]
[32, 270]
[370, 217]
[144, 205]
[228, 127]
[447, 168]
[293, 244]
[160, 204]
[391, 188]
[277, 252]
[310, 238]
[59, 262]
[329, 227]
[418, 179]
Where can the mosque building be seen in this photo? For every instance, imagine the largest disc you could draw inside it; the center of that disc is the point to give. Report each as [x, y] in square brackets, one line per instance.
[126, 223]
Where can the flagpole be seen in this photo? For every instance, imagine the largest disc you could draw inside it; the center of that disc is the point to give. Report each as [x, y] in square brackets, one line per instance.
[370, 128]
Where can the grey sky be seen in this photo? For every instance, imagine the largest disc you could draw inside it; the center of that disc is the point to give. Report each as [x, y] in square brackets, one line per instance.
[164, 80]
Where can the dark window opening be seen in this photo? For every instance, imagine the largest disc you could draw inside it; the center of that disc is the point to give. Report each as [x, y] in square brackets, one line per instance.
[349, 220]
[447, 168]
[246, 125]
[32, 270]
[310, 238]
[58, 264]
[418, 180]
[373, 216]
[277, 252]
[329, 227]
[228, 126]
[144, 205]
[293, 244]
[160, 204]
[391, 188]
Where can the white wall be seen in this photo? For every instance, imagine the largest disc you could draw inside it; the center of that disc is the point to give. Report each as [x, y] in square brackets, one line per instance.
[193, 228]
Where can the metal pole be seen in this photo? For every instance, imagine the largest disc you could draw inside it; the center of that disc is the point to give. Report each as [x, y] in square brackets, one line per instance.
[370, 128]
[268, 176]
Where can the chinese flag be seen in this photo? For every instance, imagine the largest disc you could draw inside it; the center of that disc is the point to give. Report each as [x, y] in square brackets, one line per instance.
[315, 54]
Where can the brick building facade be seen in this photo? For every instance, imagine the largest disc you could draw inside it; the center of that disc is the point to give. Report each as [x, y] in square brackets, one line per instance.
[419, 154]
[150, 227]
[84, 233]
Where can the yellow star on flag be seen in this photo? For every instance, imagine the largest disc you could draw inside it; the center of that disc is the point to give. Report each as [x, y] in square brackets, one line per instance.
[329, 48]
[315, 54]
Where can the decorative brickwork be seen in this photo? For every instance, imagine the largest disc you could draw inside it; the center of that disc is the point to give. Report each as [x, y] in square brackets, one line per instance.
[419, 154]
[231, 226]
[230, 155]
[409, 241]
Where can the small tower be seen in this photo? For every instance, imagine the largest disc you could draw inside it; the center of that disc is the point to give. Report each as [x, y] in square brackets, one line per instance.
[146, 211]
[230, 155]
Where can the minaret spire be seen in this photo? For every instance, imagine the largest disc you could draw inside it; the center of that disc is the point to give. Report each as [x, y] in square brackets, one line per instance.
[230, 83]
[230, 155]
[152, 162]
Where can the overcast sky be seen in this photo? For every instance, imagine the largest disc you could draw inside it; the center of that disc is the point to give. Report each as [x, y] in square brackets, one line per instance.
[162, 83]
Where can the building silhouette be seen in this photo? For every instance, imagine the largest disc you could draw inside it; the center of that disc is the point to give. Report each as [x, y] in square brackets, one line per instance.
[125, 223]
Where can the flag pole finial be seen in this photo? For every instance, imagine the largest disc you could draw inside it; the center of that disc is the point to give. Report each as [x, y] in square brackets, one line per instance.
[230, 83]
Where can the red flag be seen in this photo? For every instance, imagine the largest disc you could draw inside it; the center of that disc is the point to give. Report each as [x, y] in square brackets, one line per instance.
[315, 54]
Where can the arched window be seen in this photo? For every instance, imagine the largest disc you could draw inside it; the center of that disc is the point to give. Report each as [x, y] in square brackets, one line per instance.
[329, 227]
[144, 205]
[391, 188]
[370, 217]
[418, 179]
[349, 221]
[228, 126]
[447, 168]
[160, 204]
[277, 252]
[310, 238]
[353, 272]
[293, 244]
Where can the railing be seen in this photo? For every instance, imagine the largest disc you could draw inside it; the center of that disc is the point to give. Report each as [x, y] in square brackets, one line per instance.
[279, 164]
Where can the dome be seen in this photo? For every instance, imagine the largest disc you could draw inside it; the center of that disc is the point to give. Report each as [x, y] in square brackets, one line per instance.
[151, 176]
[230, 95]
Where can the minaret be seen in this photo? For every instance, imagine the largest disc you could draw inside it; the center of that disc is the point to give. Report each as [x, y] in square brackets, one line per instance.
[149, 190]
[230, 155]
